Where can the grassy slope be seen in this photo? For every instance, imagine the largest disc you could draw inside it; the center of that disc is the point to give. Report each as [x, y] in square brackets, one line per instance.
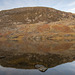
[36, 22]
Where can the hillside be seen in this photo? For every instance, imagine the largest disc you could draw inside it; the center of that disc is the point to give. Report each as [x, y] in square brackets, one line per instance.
[36, 35]
[30, 15]
[26, 54]
[35, 21]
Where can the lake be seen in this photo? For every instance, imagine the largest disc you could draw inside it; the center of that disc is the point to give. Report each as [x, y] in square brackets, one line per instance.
[37, 57]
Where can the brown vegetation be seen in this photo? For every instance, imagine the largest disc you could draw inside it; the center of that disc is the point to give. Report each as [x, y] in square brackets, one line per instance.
[35, 22]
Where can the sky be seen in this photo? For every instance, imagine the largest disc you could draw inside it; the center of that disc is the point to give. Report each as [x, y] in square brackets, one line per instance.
[63, 5]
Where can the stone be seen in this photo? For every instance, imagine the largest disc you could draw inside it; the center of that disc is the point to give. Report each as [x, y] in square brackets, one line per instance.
[41, 68]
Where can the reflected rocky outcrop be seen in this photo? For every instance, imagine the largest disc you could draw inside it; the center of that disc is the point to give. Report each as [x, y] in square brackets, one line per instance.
[28, 61]
[45, 54]
[41, 68]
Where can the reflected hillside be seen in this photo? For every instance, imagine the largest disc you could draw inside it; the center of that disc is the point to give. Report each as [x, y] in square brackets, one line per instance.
[28, 61]
[28, 53]
[39, 46]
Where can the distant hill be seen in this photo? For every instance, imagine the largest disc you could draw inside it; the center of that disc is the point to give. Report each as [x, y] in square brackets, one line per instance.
[30, 15]
[36, 20]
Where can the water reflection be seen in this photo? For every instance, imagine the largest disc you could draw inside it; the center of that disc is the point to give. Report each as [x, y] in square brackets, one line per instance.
[21, 57]
[64, 69]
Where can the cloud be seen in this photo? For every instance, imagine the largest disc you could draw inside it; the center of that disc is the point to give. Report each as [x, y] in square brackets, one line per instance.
[63, 5]
[71, 4]
[9, 4]
[71, 10]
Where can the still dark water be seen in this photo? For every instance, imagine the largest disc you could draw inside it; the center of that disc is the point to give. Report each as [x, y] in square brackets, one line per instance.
[47, 57]
[63, 69]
